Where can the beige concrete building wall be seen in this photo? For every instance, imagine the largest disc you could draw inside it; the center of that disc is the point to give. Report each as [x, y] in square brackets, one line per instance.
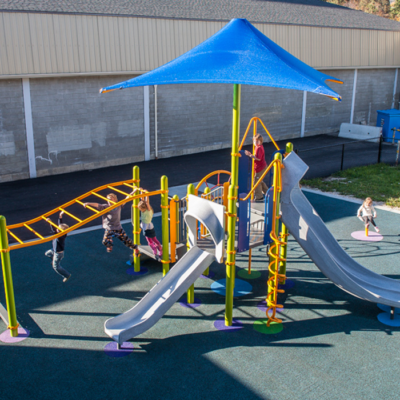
[37, 44]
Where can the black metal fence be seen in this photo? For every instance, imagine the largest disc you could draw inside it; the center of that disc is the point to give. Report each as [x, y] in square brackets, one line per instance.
[326, 160]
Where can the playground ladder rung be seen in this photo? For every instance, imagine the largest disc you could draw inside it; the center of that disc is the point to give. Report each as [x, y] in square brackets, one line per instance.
[90, 208]
[102, 197]
[73, 216]
[117, 190]
[32, 230]
[131, 186]
[15, 237]
[52, 223]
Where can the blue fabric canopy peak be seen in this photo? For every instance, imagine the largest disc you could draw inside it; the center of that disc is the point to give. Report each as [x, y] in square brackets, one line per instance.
[238, 53]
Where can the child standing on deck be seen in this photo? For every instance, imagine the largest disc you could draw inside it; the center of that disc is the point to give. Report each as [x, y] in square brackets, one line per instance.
[112, 223]
[146, 215]
[260, 166]
[57, 253]
[367, 213]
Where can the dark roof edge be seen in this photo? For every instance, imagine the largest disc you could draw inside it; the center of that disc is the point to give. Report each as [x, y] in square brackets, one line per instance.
[190, 19]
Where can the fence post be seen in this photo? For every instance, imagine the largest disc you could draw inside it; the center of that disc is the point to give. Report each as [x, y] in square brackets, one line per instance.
[341, 164]
[380, 148]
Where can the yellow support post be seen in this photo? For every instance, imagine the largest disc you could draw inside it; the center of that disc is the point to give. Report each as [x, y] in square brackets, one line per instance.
[164, 224]
[7, 277]
[275, 249]
[190, 291]
[136, 219]
[284, 234]
[173, 222]
[206, 191]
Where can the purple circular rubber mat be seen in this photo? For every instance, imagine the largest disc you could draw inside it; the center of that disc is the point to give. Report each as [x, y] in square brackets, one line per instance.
[372, 236]
[7, 338]
[131, 271]
[220, 325]
[385, 319]
[210, 275]
[262, 305]
[183, 302]
[287, 285]
[111, 349]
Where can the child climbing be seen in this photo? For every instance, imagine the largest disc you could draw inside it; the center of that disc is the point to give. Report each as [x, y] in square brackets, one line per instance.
[146, 215]
[367, 213]
[259, 167]
[57, 253]
[112, 223]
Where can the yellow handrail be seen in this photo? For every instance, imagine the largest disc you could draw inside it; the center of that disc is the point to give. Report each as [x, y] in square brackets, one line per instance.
[260, 180]
[255, 120]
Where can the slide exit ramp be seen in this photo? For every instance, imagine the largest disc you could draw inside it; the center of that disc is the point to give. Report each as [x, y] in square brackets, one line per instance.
[178, 280]
[314, 237]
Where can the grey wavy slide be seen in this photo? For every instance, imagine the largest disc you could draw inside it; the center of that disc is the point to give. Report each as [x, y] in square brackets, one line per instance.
[314, 237]
[178, 280]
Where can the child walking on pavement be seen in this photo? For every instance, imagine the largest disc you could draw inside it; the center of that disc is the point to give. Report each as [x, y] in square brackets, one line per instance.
[146, 215]
[57, 253]
[112, 223]
[367, 213]
[259, 167]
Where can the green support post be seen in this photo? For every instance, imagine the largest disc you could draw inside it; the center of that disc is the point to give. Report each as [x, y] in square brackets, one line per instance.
[232, 210]
[136, 219]
[190, 291]
[276, 184]
[284, 232]
[164, 225]
[7, 277]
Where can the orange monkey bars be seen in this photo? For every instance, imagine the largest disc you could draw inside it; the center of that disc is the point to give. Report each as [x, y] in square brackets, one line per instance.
[80, 222]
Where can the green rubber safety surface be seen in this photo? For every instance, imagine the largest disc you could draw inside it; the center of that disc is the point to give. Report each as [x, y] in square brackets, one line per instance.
[261, 326]
[244, 274]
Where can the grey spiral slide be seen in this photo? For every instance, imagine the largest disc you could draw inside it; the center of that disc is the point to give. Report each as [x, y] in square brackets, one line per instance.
[314, 237]
[178, 280]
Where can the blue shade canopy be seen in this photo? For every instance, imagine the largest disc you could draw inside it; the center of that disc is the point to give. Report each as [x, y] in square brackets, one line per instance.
[238, 53]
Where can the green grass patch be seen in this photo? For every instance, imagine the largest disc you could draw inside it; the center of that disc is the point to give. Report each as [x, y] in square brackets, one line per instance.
[381, 182]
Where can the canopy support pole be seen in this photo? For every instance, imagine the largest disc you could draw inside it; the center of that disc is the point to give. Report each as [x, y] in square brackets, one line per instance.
[232, 199]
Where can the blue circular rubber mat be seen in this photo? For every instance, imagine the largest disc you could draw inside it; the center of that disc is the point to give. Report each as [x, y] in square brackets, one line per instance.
[241, 287]
[385, 319]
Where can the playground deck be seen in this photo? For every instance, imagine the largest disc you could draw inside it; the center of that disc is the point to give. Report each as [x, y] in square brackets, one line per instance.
[332, 345]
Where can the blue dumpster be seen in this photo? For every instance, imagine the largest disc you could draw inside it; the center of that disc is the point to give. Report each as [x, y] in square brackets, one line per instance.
[389, 119]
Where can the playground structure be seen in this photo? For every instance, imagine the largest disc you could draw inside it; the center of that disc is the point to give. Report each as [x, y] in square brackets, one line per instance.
[284, 209]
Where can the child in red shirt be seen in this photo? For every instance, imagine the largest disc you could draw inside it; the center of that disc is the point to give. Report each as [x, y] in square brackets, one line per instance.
[260, 166]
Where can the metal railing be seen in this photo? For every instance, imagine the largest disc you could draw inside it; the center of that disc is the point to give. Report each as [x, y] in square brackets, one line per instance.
[337, 157]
